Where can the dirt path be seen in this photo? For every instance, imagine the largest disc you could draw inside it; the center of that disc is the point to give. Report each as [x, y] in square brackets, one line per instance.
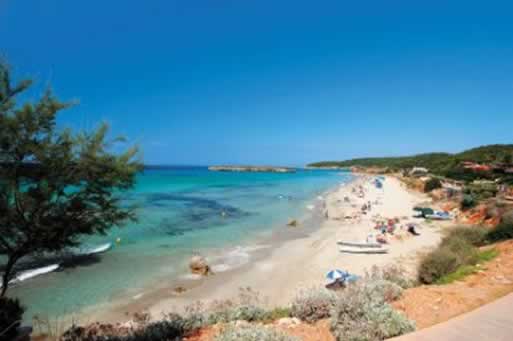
[429, 305]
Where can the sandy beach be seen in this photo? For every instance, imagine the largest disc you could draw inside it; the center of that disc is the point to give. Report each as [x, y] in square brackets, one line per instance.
[304, 262]
[279, 270]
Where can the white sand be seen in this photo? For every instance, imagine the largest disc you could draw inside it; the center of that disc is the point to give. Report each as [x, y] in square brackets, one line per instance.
[304, 262]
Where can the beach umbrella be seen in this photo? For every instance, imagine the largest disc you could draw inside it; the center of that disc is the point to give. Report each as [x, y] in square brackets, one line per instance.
[334, 275]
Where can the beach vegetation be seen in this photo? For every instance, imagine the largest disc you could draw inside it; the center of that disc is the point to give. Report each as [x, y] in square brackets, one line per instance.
[313, 304]
[55, 185]
[253, 332]
[442, 164]
[432, 184]
[11, 312]
[457, 252]
[475, 235]
[393, 273]
[363, 312]
[465, 270]
[277, 313]
[467, 202]
[503, 231]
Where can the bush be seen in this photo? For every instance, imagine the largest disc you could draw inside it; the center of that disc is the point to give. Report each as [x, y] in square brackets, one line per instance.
[362, 313]
[436, 264]
[11, 313]
[248, 313]
[168, 330]
[432, 184]
[313, 304]
[277, 313]
[475, 235]
[252, 333]
[507, 218]
[467, 202]
[503, 231]
[392, 273]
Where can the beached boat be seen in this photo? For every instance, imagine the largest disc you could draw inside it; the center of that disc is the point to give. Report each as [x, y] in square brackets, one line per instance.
[438, 215]
[28, 274]
[359, 244]
[92, 251]
[362, 250]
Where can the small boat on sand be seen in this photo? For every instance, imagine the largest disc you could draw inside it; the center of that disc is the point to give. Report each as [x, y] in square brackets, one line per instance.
[28, 274]
[362, 250]
[92, 251]
[359, 244]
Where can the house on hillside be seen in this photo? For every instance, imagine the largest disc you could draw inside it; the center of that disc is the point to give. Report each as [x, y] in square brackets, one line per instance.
[417, 171]
[477, 167]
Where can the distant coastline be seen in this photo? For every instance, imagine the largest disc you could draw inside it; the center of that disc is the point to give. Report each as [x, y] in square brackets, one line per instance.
[261, 169]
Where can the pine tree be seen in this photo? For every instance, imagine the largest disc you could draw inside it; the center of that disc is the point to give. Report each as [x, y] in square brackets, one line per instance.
[55, 185]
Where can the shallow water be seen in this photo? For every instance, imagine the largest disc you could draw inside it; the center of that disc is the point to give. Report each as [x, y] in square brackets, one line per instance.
[181, 210]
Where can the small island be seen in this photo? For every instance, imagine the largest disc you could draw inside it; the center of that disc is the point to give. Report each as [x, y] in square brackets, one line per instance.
[261, 169]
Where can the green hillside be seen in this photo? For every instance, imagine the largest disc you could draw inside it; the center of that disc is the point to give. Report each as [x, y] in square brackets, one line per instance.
[443, 164]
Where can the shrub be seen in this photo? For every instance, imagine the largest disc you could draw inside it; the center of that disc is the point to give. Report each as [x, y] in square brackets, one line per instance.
[252, 333]
[465, 252]
[277, 313]
[467, 202]
[248, 313]
[313, 304]
[507, 218]
[11, 313]
[362, 313]
[432, 184]
[436, 264]
[474, 235]
[503, 231]
[392, 273]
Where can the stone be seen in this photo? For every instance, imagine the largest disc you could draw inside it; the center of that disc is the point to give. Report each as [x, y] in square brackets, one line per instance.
[292, 222]
[199, 266]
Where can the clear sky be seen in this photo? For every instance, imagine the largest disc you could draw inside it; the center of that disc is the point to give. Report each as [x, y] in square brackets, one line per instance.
[273, 82]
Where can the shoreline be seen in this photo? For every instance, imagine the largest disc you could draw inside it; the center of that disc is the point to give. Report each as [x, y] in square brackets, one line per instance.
[298, 257]
[121, 308]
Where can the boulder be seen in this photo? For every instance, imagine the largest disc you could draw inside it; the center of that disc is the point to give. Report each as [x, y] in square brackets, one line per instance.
[292, 222]
[199, 266]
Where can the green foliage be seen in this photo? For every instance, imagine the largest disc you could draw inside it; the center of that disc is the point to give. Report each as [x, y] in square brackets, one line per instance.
[507, 218]
[475, 235]
[437, 264]
[465, 270]
[432, 184]
[55, 186]
[444, 164]
[468, 202]
[277, 313]
[11, 313]
[457, 250]
[503, 231]
[253, 333]
[248, 313]
[313, 304]
[363, 313]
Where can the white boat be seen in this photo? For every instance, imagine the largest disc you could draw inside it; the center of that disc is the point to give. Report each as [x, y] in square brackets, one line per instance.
[92, 251]
[439, 216]
[28, 274]
[370, 250]
[360, 244]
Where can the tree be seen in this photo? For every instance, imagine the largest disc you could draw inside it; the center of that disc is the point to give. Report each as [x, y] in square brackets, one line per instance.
[55, 186]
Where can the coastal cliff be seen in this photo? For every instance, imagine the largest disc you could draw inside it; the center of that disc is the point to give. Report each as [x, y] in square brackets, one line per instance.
[267, 169]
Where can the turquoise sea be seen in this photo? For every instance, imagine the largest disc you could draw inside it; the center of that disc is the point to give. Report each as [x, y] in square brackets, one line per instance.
[180, 212]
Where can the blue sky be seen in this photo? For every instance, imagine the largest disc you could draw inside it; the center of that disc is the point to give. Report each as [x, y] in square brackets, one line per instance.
[273, 82]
